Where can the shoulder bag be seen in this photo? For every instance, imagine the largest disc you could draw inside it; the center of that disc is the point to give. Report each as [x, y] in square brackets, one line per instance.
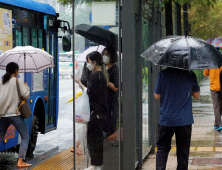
[23, 105]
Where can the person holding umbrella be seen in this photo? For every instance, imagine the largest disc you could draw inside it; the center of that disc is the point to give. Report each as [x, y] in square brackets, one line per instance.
[97, 91]
[9, 113]
[175, 88]
[110, 57]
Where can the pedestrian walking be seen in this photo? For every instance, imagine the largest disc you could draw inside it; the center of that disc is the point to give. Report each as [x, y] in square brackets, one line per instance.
[215, 88]
[110, 58]
[175, 88]
[9, 113]
[97, 91]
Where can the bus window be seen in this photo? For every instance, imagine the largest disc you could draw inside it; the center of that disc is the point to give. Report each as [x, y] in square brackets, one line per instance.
[53, 49]
[34, 38]
[40, 38]
[53, 45]
[18, 34]
[48, 50]
[26, 36]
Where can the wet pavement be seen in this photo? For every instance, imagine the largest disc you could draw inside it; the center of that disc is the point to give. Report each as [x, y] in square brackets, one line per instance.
[206, 143]
[52, 142]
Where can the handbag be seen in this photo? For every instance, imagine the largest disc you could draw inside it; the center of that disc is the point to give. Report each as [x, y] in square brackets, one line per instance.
[23, 106]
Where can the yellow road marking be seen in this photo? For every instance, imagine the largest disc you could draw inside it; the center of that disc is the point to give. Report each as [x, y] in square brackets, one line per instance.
[200, 149]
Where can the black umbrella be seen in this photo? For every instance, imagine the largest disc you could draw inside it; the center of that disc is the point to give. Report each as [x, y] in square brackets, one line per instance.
[97, 34]
[184, 52]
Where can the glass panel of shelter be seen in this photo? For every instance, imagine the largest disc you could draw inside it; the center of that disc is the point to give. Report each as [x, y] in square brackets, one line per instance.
[107, 140]
[145, 127]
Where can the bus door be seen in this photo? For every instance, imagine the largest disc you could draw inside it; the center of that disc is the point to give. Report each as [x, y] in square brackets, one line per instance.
[52, 83]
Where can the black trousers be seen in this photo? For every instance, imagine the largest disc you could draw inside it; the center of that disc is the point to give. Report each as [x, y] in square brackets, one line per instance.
[109, 125]
[183, 136]
[95, 139]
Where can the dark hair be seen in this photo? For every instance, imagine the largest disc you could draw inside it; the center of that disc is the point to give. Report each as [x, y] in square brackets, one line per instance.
[112, 53]
[96, 56]
[10, 69]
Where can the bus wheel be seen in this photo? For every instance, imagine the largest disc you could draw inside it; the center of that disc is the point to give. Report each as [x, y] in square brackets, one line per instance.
[33, 137]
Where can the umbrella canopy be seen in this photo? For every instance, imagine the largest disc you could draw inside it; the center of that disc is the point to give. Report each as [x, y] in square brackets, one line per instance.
[97, 34]
[28, 58]
[216, 42]
[82, 56]
[184, 52]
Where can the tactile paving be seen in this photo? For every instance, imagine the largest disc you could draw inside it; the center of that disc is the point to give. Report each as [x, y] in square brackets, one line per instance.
[63, 160]
[207, 161]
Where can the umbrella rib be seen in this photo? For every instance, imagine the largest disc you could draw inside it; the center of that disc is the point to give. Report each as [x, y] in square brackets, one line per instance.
[168, 48]
[200, 48]
[19, 59]
[4, 58]
[46, 57]
[34, 63]
[189, 54]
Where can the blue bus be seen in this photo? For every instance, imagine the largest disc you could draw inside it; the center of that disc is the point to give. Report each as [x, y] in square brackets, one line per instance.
[27, 22]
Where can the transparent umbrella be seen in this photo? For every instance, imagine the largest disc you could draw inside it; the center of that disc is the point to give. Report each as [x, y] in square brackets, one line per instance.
[184, 52]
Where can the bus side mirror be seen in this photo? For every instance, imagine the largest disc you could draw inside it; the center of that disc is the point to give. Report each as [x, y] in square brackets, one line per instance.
[66, 43]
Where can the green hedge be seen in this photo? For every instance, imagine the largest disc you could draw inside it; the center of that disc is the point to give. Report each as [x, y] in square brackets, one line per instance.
[199, 74]
[145, 72]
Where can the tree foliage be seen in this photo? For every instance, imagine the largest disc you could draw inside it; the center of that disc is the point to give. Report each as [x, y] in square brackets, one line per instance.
[202, 2]
[206, 21]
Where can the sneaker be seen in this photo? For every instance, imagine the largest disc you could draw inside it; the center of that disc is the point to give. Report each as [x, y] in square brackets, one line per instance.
[98, 168]
[215, 126]
[90, 168]
[219, 127]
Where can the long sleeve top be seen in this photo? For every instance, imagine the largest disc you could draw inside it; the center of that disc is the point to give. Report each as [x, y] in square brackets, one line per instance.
[97, 91]
[9, 99]
[214, 75]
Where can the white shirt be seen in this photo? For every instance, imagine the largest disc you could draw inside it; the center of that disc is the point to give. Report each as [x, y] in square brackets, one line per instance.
[9, 99]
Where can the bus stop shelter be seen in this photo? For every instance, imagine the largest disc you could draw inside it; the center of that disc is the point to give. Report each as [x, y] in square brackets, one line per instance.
[139, 24]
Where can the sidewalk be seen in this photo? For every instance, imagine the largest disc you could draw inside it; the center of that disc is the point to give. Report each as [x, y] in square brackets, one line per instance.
[206, 144]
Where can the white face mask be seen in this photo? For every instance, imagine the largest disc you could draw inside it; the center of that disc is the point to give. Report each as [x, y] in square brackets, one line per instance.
[90, 66]
[106, 59]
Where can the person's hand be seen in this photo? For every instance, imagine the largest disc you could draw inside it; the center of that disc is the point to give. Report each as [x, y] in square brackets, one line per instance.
[25, 83]
[71, 76]
[77, 80]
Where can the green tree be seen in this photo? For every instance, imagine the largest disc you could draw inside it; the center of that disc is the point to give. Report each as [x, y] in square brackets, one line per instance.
[205, 21]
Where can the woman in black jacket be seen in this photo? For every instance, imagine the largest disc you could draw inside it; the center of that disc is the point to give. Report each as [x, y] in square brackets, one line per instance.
[97, 92]
[110, 58]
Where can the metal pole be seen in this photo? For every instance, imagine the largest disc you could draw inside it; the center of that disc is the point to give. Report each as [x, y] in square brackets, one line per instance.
[73, 68]
[129, 85]
[120, 82]
[175, 18]
[25, 65]
[139, 100]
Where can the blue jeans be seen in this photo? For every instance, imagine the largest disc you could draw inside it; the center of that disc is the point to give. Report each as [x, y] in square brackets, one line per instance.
[21, 127]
